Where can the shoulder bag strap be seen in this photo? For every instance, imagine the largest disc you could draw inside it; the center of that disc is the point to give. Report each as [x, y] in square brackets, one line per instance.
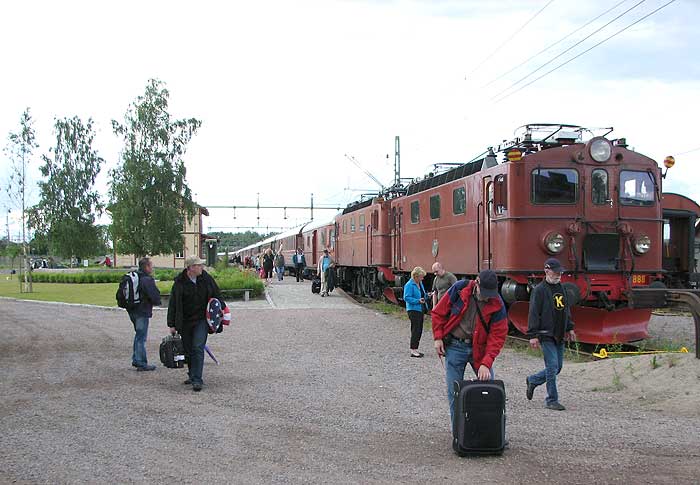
[481, 317]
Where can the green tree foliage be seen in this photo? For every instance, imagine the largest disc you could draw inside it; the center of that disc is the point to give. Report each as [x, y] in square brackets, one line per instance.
[149, 194]
[20, 150]
[66, 214]
[234, 241]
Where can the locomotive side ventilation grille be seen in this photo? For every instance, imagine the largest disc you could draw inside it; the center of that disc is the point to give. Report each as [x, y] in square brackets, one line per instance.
[443, 178]
[601, 252]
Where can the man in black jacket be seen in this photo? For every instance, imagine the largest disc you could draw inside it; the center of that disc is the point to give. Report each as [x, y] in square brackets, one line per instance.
[187, 307]
[549, 324]
[142, 313]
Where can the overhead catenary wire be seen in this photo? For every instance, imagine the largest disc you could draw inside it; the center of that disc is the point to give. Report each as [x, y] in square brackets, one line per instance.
[565, 51]
[510, 38]
[586, 51]
[553, 44]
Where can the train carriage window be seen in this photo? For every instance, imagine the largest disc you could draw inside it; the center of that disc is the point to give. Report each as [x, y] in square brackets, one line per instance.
[345, 226]
[599, 187]
[554, 186]
[323, 238]
[636, 188]
[415, 212]
[435, 207]
[362, 223]
[331, 238]
[375, 220]
[459, 201]
[352, 224]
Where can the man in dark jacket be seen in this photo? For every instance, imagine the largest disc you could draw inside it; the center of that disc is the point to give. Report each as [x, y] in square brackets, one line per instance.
[141, 314]
[187, 307]
[470, 325]
[548, 325]
[299, 262]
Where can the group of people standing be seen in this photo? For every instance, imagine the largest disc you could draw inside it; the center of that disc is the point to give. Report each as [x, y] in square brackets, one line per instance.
[470, 324]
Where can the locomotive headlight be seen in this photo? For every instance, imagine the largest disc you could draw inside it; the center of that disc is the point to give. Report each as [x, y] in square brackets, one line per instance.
[554, 242]
[600, 150]
[642, 244]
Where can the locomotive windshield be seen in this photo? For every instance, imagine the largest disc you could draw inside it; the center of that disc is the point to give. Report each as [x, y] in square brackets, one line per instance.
[554, 186]
[636, 188]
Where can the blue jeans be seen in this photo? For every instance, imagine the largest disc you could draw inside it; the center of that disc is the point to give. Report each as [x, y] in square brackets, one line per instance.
[280, 273]
[553, 360]
[457, 356]
[194, 339]
[138, 358]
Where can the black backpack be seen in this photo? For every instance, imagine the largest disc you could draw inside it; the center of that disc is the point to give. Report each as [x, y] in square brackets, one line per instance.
[128, 296]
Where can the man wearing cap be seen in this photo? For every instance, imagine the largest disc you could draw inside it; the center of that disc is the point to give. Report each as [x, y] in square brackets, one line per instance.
[548, 325]
[469, 327]
[187, 308]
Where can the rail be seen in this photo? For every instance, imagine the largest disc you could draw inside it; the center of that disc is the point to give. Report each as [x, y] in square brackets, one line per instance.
[662, 297]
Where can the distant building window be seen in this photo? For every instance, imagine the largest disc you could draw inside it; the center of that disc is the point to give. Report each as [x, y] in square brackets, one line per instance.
[362, 223]
[435, 207]
[352, 224]
[459, 201]
[415, 212]
[180, 254]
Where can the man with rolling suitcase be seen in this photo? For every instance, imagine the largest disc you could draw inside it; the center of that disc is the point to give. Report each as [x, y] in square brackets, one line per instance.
[469, 327]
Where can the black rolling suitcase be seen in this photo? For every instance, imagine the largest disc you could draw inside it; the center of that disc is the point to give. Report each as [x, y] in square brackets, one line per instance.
[172, 352]
[480, 418]
[316, 285]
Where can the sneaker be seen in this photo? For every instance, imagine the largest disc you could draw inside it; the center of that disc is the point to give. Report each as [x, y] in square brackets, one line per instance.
[146, 367]
[555, 406]
[417, 355]
[187, 382]
[530, 390]
[196, 387]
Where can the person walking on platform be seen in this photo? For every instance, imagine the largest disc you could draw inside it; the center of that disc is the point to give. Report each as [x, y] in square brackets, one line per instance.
[279, 264]
[414, 295]
[548, 325]
[442, 282]
[268, 262]
[299, 262]
[470, 325]
[324, 265]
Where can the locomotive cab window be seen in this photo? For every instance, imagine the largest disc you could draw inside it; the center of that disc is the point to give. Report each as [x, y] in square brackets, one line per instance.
[345, 226]
[352, 224]
[599, 187]
[362, 223]
[636, 188]
[435, 207]
[459, 201]
[415, 212]
[554, 186]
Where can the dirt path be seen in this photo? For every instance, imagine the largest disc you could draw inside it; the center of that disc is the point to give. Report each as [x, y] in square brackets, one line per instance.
[309, 395]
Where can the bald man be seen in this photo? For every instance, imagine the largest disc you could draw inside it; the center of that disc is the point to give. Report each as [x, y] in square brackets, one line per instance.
[442, 282]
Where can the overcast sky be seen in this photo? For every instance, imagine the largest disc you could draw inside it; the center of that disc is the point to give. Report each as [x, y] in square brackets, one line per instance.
[285, 89]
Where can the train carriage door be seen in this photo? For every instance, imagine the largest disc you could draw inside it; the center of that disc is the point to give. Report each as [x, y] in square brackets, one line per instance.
[314, 247]
[397, 216]
[484, 228]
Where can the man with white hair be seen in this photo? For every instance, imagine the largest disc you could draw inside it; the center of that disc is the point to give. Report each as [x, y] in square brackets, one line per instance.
[187, 307]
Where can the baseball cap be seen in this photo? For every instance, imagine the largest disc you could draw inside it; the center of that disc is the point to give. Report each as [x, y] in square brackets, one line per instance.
[192, 260]
[554, 265]
[488, 284]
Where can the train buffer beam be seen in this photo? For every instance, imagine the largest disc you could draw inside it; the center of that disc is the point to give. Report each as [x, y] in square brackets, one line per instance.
[663, 297]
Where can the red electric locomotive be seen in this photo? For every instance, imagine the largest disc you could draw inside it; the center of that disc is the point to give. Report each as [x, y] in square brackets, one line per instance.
[595, 205]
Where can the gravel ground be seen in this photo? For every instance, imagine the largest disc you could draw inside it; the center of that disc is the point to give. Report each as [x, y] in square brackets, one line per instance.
[309, 390]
